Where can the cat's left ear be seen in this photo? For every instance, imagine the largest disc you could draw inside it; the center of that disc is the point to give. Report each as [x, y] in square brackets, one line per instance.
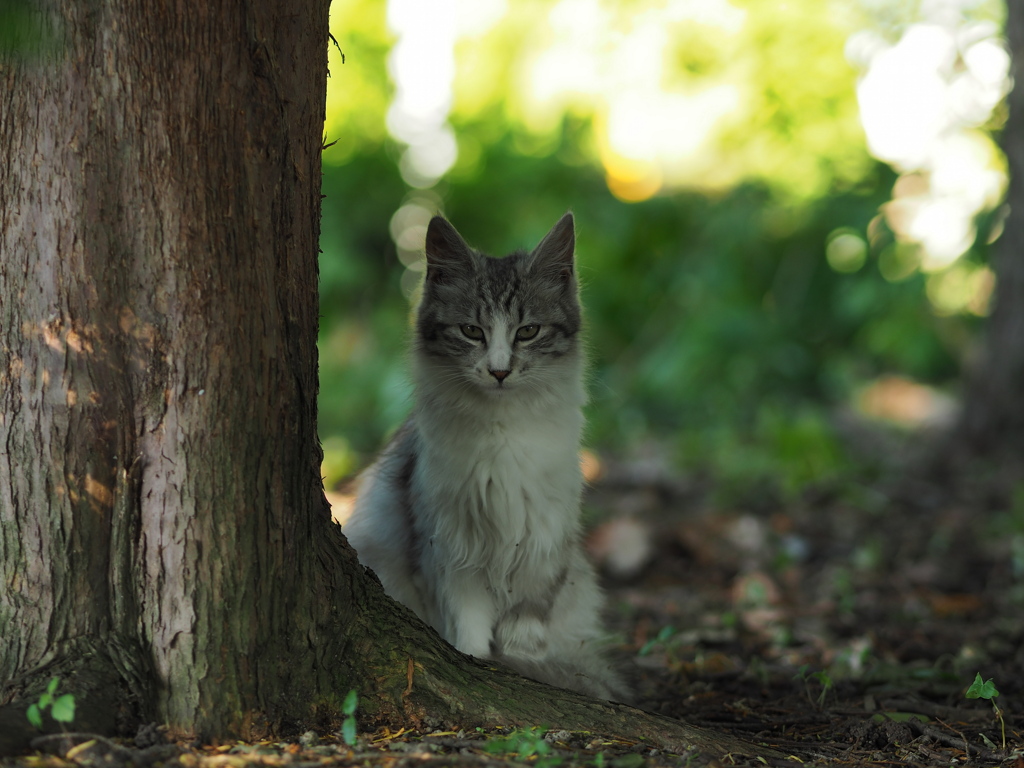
[448, 256]
[554, 254]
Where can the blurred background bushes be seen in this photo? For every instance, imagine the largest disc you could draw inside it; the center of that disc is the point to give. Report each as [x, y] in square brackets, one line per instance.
[751, 271]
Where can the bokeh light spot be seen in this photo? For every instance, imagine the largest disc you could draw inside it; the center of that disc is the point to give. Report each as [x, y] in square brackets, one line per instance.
[846, 251]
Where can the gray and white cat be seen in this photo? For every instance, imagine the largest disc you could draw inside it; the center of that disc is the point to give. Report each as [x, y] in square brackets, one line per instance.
[470, 516]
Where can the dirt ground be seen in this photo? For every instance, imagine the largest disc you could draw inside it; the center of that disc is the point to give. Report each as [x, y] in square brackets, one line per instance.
[842, 626]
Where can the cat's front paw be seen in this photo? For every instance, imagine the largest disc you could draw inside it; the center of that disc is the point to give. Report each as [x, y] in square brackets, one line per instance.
[526, 637]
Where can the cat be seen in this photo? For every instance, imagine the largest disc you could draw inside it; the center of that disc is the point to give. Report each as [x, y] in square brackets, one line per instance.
[470, 515]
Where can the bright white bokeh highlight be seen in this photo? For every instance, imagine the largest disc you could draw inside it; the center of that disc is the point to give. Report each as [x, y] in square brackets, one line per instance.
[653, 129]
[605, 59]
[925, 100]
[422, 67]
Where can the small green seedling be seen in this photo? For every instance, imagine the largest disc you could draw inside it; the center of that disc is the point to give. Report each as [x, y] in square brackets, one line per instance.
[661, 638]
[348, 725]
[825, 681]
[823, 678]
[987, 690]
[528, 743]
[62, 708]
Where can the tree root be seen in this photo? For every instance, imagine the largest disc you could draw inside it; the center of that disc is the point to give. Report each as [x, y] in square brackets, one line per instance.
[108, 693]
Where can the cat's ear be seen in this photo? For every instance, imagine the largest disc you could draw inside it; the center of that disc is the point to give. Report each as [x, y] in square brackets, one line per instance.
[554, 254]
[447, 253]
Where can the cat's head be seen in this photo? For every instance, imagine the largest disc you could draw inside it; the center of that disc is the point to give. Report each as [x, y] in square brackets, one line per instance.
[500, 327]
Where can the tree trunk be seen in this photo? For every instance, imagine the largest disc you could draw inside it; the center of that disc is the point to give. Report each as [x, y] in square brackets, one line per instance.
[159, 205]
[993, 420]
[165, 546]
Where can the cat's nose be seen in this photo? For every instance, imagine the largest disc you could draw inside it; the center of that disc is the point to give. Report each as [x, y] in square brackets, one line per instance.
[499, 375]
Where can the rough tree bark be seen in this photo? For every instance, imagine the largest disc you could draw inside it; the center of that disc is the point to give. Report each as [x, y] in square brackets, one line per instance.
[158, 220]
[993, 418]
[165, 546]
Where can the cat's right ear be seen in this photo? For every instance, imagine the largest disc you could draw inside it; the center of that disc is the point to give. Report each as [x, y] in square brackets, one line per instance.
[448, 255]
[555, 254]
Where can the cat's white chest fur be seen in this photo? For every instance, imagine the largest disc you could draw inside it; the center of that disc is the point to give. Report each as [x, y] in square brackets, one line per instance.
[499, 509]
[504, 493]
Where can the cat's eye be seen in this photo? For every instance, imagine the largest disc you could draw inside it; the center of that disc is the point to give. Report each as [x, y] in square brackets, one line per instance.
[527, 332]
[472, 332]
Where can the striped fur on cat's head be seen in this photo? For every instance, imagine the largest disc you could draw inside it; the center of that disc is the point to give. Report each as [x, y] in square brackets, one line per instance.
[499, 326]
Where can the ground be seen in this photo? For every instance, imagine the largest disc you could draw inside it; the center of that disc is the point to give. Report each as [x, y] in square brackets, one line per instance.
[840, 625]
[844, 626]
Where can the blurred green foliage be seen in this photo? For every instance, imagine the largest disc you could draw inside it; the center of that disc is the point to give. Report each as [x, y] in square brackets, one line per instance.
[26, 32]
[715, 323]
